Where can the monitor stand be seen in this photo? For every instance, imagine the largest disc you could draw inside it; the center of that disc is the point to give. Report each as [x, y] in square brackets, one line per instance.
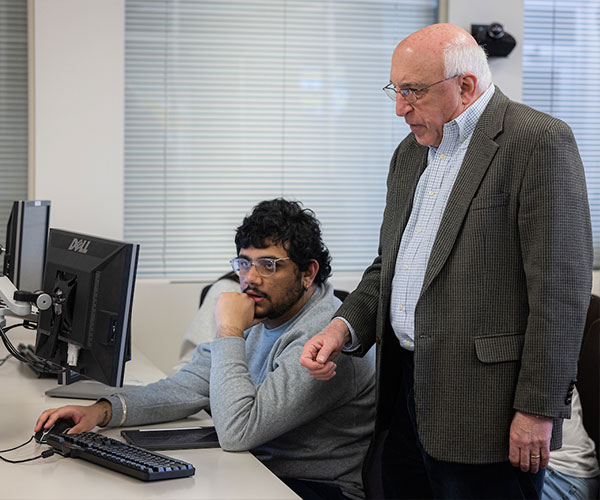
[86, 389]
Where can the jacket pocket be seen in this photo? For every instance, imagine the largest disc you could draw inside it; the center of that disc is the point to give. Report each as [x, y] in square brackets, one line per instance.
[499, 348]
[495, 200]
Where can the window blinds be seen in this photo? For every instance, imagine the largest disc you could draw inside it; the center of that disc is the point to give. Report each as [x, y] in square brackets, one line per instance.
[561, 71]
[13, 106]
[232, 102]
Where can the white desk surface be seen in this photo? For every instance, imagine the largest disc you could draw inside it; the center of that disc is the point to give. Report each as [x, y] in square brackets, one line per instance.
[219, 474]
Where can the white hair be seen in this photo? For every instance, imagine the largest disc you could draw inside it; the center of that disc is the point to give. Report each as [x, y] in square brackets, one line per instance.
[460, 58]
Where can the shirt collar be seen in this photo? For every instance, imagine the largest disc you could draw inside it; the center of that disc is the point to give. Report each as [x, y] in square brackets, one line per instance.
[461, 128]
[467, 120]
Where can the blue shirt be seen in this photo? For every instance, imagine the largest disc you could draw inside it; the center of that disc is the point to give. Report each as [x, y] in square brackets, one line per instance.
[431, 197]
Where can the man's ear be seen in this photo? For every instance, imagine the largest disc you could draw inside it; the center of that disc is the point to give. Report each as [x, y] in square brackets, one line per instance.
[310, 274]
[468, 88]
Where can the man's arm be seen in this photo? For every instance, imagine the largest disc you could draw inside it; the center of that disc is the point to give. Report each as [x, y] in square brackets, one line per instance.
[247, 414]
[175, 397]
[360, 308]
[178, 396]
[172, 398]
[555, 234]
[320, 351]
[185, 392]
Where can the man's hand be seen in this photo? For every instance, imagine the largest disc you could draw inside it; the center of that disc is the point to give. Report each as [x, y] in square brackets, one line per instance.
[84, 417]
[234, 314]
[530, 441]
[319, 352]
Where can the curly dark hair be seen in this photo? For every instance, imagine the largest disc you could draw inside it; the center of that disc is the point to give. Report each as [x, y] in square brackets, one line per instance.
[285, 222]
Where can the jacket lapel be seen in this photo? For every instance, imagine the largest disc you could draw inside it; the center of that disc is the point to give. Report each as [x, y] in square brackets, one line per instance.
[414, 164]
[408, 169]
[478, 158]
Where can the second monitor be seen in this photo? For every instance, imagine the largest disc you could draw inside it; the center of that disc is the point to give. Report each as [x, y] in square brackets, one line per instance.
[91, 281]
[26, 234]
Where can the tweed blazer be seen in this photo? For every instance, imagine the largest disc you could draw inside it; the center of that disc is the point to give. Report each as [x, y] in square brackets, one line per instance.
[500, 317]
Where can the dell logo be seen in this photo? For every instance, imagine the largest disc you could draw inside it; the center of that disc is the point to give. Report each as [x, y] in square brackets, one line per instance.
[80, 246]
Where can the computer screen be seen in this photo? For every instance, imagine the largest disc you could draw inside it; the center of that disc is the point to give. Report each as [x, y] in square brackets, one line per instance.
[26, 235]
[91, 282]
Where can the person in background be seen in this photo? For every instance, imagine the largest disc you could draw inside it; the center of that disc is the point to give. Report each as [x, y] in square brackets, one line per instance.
[478, 296]
[203, 327]
[313, 435]
[573, 471]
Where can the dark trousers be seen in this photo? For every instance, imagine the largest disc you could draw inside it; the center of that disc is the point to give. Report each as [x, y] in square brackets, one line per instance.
[409, 472]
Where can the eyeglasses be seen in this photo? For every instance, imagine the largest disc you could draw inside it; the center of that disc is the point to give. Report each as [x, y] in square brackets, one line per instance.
[265, 266]
[411, 95]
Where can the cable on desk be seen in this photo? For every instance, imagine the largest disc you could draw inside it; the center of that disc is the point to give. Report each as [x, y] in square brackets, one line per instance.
[17, 447]
[44, 454]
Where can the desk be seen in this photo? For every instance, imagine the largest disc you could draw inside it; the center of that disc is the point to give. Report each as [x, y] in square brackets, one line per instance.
[219, 474]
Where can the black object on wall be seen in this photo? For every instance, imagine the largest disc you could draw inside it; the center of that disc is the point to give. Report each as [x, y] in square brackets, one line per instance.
[493, 38]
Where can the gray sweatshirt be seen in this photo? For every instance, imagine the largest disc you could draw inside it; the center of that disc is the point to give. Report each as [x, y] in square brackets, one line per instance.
[262, 400]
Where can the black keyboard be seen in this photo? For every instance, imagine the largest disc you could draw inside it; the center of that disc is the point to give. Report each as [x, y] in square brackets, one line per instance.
[113, 454]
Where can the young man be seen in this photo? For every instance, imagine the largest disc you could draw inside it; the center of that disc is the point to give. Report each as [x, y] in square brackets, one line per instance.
[311, 434]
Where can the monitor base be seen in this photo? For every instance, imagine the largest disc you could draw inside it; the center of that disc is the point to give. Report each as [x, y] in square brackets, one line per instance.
[86, 389]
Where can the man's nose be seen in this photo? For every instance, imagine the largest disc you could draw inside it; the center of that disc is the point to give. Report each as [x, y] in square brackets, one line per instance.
[402, 107]
[252, 275]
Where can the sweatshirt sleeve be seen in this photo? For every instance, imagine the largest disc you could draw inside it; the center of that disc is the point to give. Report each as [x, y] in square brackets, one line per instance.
[246, 416]
[178, 396]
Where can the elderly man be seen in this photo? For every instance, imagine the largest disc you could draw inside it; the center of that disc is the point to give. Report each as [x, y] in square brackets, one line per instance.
[311, 434]
[478, 296]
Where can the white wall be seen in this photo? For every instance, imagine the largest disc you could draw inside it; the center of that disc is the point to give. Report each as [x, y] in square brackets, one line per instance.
[76, 112]
[507, 72]
[76, 134]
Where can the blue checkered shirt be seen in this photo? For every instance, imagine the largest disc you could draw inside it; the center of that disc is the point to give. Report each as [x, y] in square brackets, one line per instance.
[431, 197]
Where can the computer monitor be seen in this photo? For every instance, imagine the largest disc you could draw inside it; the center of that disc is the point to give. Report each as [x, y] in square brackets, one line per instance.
[91, 282]
[25, 245]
